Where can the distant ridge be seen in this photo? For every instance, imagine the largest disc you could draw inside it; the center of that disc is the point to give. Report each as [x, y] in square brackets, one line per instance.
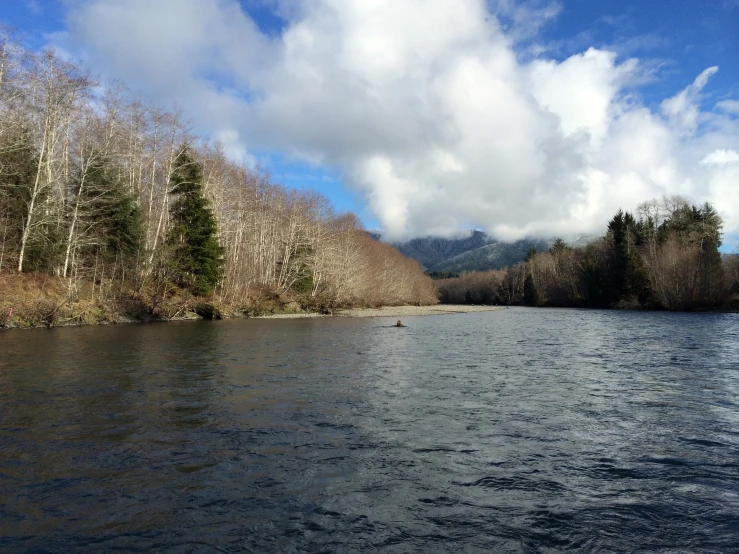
[477, 252]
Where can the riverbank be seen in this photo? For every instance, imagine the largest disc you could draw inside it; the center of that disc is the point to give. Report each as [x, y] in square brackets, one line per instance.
[385, 311]
[36, 300]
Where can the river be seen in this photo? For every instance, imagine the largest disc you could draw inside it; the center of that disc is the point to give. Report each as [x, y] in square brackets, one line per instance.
[521, 430]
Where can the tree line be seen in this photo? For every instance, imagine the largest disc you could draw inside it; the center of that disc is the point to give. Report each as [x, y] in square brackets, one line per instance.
[120, 199]
[664, 257]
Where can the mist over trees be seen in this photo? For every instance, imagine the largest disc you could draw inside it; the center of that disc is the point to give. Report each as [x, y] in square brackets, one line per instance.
[118, 199]
[477, 252]
[665, 257]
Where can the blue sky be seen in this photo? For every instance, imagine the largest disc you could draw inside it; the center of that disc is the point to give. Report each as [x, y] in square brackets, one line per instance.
[520, 118]
[682, 37]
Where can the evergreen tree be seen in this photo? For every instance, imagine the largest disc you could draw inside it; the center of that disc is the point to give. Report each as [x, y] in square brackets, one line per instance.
[197, 257]
[530, 294]
[110, 218]
[694, 225]
[468, 297]
[629, 277]
[18, 167]
[699, 228]
[18, 163]
[596, 270]
[559, 247]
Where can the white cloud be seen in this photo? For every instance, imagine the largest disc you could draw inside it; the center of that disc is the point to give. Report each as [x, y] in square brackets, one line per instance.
[525, 18]
[580, 90]
[234, 147]
[682, 109]
[728, 106]
[721, 157]
[425, 106]
[189, 52]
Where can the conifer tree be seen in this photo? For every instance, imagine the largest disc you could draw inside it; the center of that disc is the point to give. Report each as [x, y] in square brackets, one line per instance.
[18, 162]
[18, 168]
[558, 247]
[197, 257]
[698, 228]
[108, 221]
[530, 294]
[629, 276]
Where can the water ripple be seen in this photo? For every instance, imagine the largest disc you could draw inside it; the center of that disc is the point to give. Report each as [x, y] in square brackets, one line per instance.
[513, 431]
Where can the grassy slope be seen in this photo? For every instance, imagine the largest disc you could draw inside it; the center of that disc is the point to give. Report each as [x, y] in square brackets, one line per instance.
[38, 300]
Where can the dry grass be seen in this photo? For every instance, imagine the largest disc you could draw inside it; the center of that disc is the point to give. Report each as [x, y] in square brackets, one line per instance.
[29, 300]
[39, 300]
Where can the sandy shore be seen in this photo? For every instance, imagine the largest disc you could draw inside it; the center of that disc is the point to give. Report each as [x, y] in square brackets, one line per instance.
[396, 311]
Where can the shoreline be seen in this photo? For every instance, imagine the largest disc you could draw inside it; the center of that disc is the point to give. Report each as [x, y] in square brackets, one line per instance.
[385, 311]
[391, 311]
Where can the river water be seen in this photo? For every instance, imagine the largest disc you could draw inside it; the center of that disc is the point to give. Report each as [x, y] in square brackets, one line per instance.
[522, 430]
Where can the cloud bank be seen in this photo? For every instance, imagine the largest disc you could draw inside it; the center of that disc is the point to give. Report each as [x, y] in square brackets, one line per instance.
[427, 107]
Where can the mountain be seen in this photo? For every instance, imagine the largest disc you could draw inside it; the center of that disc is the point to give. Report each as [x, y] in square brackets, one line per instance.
[429, 251]
[478, 252]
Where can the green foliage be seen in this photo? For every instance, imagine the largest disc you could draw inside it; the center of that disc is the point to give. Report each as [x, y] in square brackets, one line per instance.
[559, 247]
[694, 225]
[676, 265]
[44, 249]
[629, 279]
[597, 280]
[530, 293]
[300, 267]
[18, 165]
[110, 215]
[700, 227]
[18, 168]
[197, 257]
[304, 282]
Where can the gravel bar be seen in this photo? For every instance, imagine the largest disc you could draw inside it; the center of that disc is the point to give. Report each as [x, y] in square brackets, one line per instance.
[395, 311]
[409, 311]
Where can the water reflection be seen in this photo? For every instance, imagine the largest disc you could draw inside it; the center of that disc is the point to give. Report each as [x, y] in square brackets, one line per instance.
[505, 431]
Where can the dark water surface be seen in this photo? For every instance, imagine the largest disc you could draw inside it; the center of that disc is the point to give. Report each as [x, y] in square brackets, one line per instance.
[511, 431]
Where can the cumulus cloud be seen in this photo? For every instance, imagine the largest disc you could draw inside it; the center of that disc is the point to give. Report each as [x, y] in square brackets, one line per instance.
[721, 157]
[190, 53]
[426, 107]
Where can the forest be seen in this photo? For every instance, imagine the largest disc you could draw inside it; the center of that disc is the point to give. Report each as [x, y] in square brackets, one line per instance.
[666, 257]
[112, 208]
